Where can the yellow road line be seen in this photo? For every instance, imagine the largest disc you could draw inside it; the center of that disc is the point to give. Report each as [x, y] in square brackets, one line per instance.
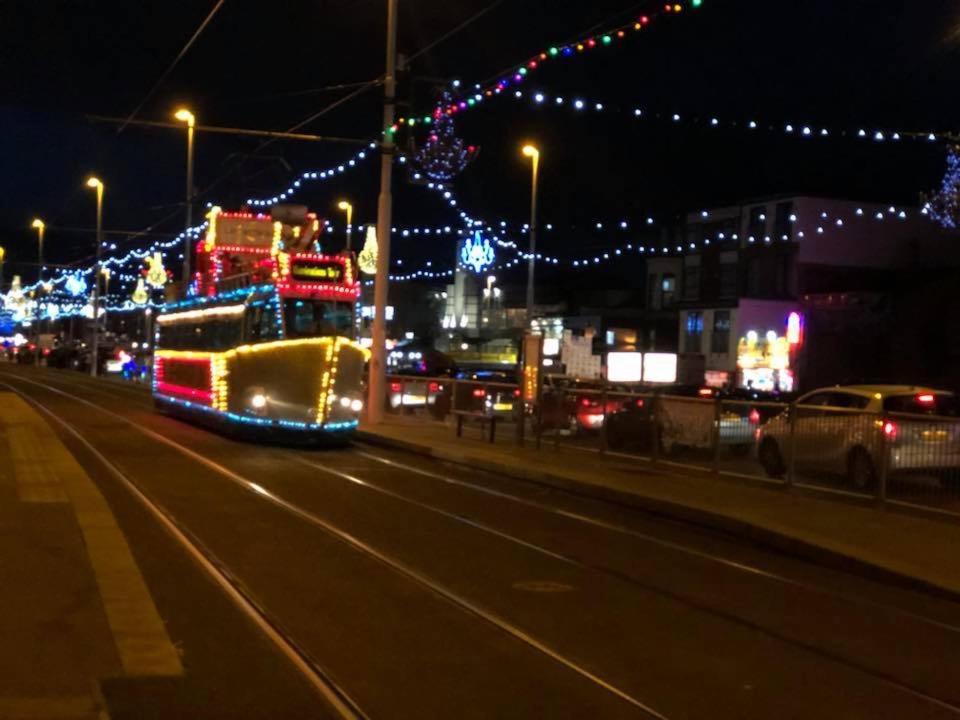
[140, 636]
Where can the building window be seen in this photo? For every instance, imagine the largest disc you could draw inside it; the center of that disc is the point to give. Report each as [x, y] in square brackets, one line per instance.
[758, 223]
[782, 227]
[691, 277]
[720, 337]
[728, 274]
[694, 332]
[668, 290]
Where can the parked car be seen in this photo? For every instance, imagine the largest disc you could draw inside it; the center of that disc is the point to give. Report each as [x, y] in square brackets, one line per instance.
[686, 416]
[853, 430]
[574, 405]
[486, 390]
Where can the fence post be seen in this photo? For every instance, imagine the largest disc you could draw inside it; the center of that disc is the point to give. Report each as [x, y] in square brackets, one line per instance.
[603, 427]
[790, 477]
[655, 414]
[884, 469]
[715, 439]
[562, 411]
[539, 416]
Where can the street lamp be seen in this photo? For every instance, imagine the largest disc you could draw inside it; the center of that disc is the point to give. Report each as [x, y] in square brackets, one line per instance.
[39, 225]
[2, 254]
[184, 115]
[344, 205]
[93, 182]
[532, 152]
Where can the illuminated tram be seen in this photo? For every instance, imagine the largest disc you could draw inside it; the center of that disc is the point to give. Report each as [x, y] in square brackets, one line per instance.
[265, 340]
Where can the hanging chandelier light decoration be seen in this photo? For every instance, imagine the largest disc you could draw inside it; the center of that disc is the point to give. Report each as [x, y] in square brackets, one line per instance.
[444, 156]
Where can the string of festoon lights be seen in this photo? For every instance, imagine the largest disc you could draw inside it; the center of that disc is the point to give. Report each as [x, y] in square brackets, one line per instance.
[873, 132]
[523, 71]
[480, 92]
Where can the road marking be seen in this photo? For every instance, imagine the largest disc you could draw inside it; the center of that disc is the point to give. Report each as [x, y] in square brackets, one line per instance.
[51, 708]
[138, 632]
[338, 699]
[347, 539]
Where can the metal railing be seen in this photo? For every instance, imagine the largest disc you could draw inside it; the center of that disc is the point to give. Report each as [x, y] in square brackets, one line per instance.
[898, 458]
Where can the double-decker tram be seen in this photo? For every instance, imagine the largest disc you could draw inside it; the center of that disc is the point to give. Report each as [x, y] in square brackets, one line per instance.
[264, 340]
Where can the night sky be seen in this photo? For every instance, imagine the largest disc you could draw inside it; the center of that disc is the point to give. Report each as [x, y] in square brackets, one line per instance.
[874, 63]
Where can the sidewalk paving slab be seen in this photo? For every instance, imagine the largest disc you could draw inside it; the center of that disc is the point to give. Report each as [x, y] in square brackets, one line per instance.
[892, 546]
[76, 610]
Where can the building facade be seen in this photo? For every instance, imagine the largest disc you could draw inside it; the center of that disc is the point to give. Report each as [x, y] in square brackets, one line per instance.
[748, 272]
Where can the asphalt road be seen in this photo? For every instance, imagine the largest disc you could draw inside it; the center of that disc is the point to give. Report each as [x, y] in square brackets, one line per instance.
[310, 583]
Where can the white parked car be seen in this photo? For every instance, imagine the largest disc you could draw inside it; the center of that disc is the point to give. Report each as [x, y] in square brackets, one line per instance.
[847, 430]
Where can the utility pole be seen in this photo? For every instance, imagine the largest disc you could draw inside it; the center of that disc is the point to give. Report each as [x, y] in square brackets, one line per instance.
[97, 185]
[378, 361]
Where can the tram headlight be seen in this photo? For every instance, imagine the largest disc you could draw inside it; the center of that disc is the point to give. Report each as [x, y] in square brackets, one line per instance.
[258, 401]
[344, 402]
[356, 405]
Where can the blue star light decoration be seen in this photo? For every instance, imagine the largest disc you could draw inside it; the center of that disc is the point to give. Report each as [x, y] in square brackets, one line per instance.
[76, 285]
[477, 253]
[944, 205]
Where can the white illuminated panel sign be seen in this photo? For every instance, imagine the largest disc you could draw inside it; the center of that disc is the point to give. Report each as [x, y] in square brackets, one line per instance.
[660, 367]
[551, 346]
[624, 367]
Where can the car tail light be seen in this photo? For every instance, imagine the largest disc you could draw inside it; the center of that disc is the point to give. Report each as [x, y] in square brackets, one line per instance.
[585, 402]
[754, 417]
[395, 387]
[706, 392]
[516, 393]
[479, 393]
[434, 387]
[890, 430]
[925, 399]
[639, 403]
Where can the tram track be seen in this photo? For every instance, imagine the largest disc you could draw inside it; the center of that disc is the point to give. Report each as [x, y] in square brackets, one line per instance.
[490, 617]
[351, 540]
[746, 568]
[326, 689]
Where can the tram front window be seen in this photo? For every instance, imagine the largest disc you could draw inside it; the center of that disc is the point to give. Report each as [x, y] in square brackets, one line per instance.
[316, 318]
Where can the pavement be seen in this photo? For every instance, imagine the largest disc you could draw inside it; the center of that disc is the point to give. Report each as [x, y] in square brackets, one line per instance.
[80, 610]
[420, 587]
[897, 546]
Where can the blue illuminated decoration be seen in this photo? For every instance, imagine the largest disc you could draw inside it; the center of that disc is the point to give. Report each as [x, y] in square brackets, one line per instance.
[477, 253]
[259, 421]
[944, 205]
[76, 285]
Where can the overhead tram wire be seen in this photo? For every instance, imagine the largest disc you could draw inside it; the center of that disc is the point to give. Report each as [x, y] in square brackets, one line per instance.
[176, 60]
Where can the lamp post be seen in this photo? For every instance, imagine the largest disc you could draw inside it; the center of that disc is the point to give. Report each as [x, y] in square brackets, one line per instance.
[184, 115]
[534, 154]
[95, 183]
[348, 208]
[39, 226]
[378, 360]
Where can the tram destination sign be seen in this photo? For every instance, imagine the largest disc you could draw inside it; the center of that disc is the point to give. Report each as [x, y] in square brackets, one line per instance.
[316, 271]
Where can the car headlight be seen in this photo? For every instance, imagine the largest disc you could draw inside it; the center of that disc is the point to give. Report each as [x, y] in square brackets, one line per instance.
[344, 402]
[258, 401]
[356, 405]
